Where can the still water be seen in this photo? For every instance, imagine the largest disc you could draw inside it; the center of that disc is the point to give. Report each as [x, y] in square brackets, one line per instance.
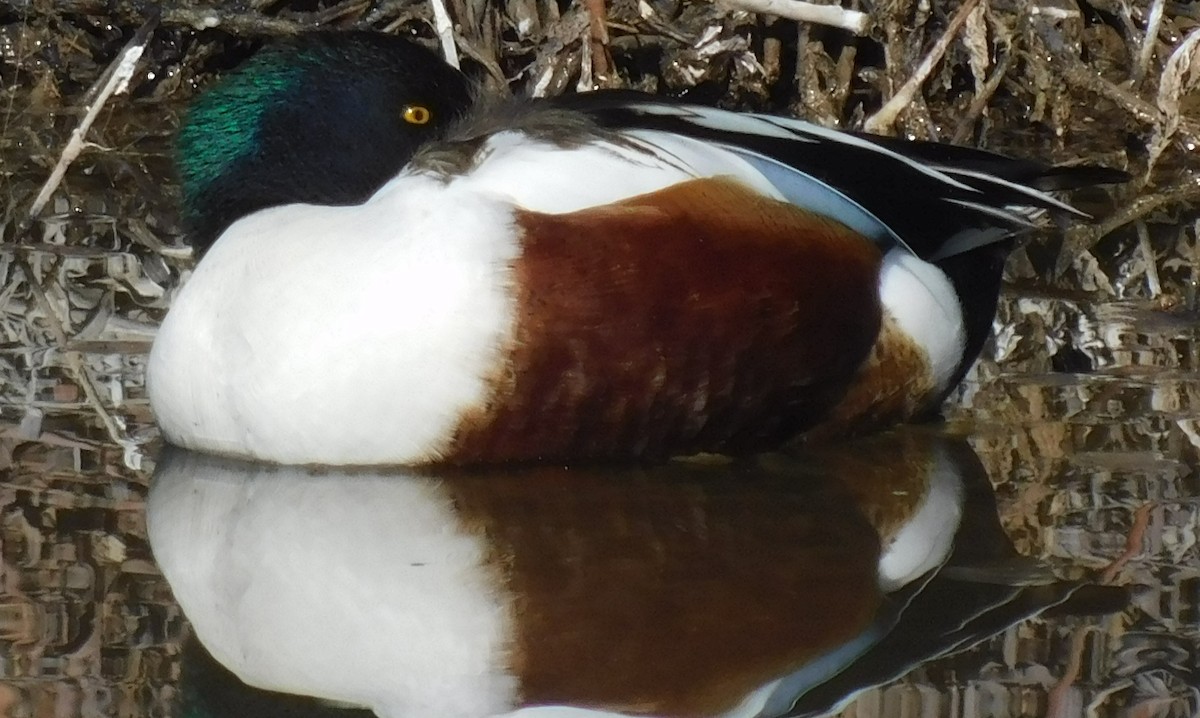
[906, 574]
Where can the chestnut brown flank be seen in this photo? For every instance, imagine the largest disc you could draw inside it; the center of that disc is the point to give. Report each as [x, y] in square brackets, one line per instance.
[893, 384]
[702, 317]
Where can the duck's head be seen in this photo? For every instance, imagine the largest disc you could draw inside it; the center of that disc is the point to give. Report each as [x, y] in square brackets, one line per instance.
[322, 118]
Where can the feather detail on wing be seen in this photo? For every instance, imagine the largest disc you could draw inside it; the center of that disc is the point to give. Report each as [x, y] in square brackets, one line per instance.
[938, 200]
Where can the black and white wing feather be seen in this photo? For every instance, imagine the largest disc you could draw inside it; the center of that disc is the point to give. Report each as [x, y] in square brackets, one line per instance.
[939, 200]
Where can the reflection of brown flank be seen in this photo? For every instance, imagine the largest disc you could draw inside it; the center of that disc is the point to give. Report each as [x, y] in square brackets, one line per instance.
[893, 384]
[675, 592]
[699, 317]
[888, 474]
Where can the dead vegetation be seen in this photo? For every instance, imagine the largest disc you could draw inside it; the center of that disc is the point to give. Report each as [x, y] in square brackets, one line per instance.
[88, 268]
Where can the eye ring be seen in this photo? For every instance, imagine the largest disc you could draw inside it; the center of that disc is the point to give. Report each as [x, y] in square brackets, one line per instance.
[417, 114]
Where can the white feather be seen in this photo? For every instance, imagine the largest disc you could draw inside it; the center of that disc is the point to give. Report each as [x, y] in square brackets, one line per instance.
[1008, 214]
[543, 177]
[925, 305]
[721, 120]
[789, 129]
[339, 334]
[1036, 194]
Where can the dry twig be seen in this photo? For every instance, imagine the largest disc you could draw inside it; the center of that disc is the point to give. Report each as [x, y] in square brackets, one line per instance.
[1133, 542]
[114, 81]
[1186, 192]
[79, 370]
[445, 32]
[832, 15]
[598, 39]
[1141, 110]
[883, 119]
[981, 100]
[1149, 39]
[1057, 699]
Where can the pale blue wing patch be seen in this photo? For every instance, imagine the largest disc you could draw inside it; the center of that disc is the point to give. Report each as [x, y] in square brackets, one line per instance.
[810, 193]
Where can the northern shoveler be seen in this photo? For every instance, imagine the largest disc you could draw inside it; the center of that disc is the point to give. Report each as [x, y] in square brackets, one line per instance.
[398, 271]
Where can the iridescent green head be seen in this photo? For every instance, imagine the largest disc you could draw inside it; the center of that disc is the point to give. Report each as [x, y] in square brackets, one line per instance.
[322, 118]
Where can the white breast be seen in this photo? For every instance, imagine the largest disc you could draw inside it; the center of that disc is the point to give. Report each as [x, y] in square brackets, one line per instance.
[339, 334]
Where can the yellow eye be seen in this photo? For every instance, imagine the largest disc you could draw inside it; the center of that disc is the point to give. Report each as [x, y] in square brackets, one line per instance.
[417, 114]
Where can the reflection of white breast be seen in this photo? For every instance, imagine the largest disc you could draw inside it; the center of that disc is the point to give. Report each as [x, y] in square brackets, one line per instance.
[297, 584]
[924, 540]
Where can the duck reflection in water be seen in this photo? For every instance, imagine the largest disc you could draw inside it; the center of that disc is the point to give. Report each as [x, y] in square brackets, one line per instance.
[778, 585]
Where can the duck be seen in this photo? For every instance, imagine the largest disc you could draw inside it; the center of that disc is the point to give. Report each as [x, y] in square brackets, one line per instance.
[398, 269]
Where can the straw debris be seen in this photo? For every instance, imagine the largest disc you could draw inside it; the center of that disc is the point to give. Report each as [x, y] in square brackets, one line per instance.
[91, 251]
